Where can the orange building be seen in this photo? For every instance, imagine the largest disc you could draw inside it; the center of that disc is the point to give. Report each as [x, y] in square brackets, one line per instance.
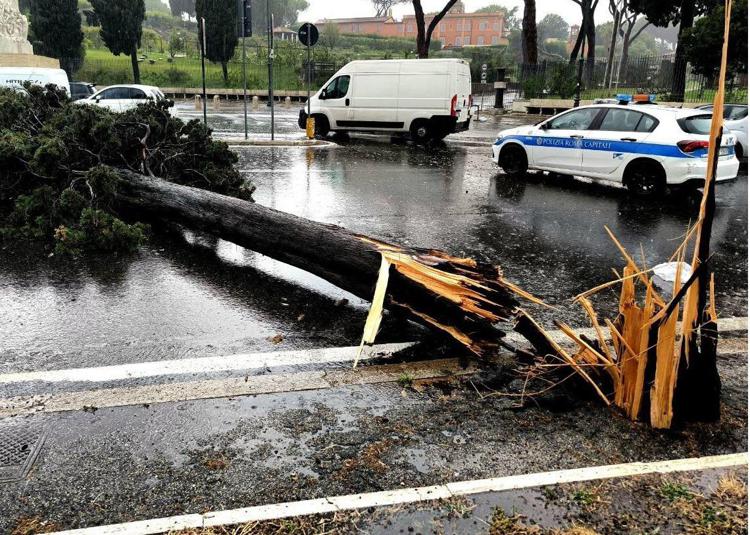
[456, 29]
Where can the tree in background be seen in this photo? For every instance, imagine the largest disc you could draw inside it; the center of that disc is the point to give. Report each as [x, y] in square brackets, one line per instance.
[424, 33]
[330, 35]
[383, 7]
[586, 41]
[703, 41]
[665, 13]
[285, 13]
[178, 7]
[176, 43]
[122, 28]
[221, 30]
[552, 26]
[55, 27]
[528, 33]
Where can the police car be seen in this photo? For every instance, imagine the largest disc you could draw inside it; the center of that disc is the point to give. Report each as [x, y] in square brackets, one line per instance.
[646, 148]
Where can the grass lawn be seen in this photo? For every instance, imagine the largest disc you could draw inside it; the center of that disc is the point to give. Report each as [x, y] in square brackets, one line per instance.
[102, 68]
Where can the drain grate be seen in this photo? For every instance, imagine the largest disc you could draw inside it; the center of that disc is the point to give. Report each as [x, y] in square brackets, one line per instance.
[20, 443]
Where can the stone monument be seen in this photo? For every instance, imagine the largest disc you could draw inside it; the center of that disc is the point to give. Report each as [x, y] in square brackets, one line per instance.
[15, 49]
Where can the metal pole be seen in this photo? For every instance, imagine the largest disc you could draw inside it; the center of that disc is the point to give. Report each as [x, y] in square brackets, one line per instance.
[309, 72]
[244, 63]
[203, 68]
[270, 62]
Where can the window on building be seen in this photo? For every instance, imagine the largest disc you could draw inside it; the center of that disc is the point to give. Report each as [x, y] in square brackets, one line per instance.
[408, 28]
[496, 26]
[480, 40]
[482, 26]
[495, 40]
[466, 40]
[458, 41]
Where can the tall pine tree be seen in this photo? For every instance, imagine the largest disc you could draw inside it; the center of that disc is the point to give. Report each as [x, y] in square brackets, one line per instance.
[55, 27]
[221, 30]
[122, 27]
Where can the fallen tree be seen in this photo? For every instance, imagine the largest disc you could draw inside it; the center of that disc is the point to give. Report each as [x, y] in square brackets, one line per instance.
[458, 296]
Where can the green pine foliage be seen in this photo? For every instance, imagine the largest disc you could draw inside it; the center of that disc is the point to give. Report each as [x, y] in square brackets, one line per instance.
[122, 27]
[57, 160]
[221, 30]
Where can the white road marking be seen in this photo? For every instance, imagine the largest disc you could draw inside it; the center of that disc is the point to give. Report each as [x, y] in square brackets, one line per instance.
[241, 361]
[232, 387]
[411, 495]
[254, 361]
[725, 325]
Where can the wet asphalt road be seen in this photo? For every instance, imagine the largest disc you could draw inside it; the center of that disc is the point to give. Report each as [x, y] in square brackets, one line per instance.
[194, 296]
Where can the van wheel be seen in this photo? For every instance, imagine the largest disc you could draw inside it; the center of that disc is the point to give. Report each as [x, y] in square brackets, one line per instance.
[513, 160]
[645, 178]
[322, 126]
[420, 131]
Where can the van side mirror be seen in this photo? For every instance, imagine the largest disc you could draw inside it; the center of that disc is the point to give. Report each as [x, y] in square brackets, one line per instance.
[323, 94]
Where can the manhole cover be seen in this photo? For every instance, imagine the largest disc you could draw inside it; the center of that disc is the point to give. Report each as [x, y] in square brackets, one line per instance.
[20, 443]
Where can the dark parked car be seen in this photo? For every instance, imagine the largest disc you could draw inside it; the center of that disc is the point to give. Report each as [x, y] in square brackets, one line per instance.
[79, 90]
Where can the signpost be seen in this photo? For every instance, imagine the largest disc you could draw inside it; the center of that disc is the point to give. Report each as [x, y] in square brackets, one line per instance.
[247, 31]
[308, 35]
[203, 68]
[484, 81]
[270, 63]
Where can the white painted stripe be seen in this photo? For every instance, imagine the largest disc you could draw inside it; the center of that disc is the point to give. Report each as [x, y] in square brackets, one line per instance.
[242, 361]
[725, 325]
[231, 387]
[254, 361]
[412, 495]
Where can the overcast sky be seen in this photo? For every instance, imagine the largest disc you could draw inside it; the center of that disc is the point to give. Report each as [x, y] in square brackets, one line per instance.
[320, 9]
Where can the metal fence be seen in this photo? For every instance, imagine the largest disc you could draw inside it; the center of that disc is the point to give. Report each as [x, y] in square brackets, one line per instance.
[184, 69]
[657, 75]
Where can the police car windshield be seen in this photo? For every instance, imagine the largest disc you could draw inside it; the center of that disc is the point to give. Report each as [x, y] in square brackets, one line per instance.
[696, 124]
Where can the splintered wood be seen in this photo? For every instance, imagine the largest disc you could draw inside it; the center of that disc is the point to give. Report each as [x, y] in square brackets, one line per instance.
[480, 296]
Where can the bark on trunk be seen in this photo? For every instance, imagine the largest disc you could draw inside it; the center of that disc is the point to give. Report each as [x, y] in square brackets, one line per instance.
[225, 72]
[422, 286]
[528, 33]
[136, 68]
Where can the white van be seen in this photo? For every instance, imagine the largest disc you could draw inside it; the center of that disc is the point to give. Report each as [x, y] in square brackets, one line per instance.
[428, 98]
[16, 76]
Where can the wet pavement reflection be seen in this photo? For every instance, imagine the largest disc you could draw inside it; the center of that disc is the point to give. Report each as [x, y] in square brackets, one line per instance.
[192, 295]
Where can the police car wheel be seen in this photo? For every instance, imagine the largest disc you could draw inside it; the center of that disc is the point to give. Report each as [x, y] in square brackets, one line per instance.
[645, 179]
[513, 160]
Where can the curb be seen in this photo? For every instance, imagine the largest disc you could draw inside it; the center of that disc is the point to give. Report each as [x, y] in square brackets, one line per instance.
[241, 142]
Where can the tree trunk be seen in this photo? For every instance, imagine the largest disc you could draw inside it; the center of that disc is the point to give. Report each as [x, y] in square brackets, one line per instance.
[577, 47]
[224, 72]
[528, 33]
[136, 68]
[626, 40]
[687, 15]
[419, 283]
[590, 48]
[612, 46]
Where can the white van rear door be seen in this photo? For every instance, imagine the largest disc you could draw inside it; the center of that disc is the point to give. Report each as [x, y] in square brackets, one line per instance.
[423, 91]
